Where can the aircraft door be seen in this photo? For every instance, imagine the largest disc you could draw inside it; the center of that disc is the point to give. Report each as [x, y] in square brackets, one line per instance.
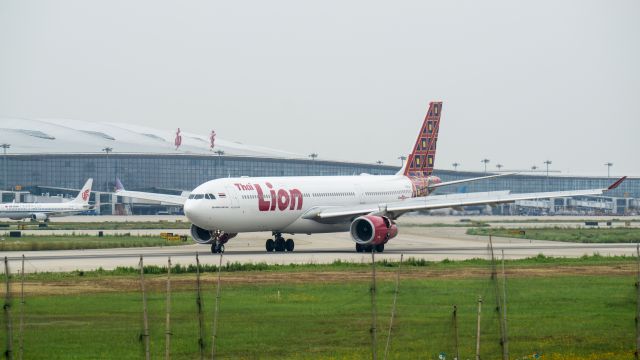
[360, 194]
[232, 196]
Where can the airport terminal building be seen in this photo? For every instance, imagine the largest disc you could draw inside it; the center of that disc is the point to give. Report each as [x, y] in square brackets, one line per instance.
[57, 156]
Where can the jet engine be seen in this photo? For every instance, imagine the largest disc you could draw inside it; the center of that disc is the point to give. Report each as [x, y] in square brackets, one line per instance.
[373, 230]
[204, 236]
[39, 217]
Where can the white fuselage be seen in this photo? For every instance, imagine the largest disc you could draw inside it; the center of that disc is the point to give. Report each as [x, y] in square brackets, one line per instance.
[18, 211]
[238, 206]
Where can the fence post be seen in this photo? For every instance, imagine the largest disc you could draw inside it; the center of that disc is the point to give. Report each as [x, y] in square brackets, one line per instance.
[494, 278]
[21, 326]
[374, 320]
[215, 313]
[455, 333]
[504, 310]
[145, 319]
[199, 304]
[167, 332]
[7, 310]
[393, 308]
[478, 329]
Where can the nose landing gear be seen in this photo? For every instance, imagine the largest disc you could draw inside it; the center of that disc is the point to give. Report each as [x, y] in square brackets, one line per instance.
[217, 248]
[279, 244]
[221, 238]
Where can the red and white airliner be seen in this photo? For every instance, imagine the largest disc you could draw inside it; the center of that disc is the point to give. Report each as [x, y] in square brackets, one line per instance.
[365, 205]
[42, 211]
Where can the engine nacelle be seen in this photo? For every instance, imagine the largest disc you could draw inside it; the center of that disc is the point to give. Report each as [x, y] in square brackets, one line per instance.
[39, 217]
[204, 236]
[201, 236]
[373, 230]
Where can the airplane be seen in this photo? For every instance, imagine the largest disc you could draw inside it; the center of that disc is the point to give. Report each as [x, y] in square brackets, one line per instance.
[42, 211]
[366, 205]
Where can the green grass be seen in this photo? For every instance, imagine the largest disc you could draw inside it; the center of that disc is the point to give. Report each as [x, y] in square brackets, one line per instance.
[72, 242]
[582, 235]
[106, 225]
[561, 317]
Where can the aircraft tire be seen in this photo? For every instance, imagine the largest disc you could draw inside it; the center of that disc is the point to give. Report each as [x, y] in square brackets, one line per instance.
[280, 244]
[379, 248]
[270, 245]
[359, 248]
[289, 245]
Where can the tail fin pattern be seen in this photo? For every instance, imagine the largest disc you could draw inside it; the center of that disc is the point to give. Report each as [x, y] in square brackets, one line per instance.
[85, 192]
[421, 161]
[119, 186]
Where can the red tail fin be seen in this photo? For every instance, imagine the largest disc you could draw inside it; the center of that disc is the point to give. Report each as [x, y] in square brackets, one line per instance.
[421, 161]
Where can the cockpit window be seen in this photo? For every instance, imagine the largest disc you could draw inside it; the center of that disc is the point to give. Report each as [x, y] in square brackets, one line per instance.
[191, 196]
[209, 196]
[198, 196]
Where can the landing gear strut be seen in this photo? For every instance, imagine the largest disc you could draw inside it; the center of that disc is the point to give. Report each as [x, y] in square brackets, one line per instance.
[278, 243]
[369, 248]
[217, 248]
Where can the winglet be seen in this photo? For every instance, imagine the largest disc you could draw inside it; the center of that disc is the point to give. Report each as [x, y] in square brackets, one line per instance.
[617, 183]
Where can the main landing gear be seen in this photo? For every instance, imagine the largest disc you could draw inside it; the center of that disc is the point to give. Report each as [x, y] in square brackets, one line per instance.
[369, 248]
[279, 244]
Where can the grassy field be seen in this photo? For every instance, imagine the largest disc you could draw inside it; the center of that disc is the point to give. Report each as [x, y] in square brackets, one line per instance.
[583, 235]
[106, 225]
[71, 242]
[562, 310]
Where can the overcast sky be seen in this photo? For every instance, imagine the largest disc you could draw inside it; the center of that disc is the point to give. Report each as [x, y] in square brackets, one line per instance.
[521, 82]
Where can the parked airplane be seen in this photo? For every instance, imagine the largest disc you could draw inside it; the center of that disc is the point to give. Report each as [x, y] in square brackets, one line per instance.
[42, 211]
[366, 205]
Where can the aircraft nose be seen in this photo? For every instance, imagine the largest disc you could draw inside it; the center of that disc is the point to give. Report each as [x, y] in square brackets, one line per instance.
[189, 208]
[194, 212]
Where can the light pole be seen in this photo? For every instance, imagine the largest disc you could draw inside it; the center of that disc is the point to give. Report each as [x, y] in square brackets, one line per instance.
[608, 165]
[548, 162]
[4, 155]
[107, 150]
[499, 166]
[313, 156]
[485, 161]
[402, 158]
[455, 166]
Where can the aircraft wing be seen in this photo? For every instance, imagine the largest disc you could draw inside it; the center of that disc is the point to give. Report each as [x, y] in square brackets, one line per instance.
[447, 183]
[162, 198]
[397, 208]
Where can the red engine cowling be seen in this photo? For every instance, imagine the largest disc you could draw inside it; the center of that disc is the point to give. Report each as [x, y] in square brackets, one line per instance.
[373, 230]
